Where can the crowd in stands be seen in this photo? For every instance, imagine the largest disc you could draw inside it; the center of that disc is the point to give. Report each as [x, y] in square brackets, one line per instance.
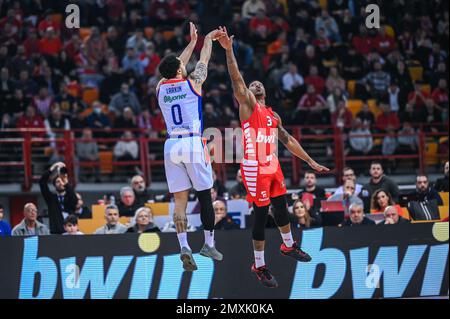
[316, 59]
[377, 202]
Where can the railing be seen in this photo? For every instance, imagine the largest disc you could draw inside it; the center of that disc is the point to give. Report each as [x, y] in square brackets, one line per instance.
[65, 142]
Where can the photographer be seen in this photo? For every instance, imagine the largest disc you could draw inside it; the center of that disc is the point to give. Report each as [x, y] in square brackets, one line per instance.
[61, 204]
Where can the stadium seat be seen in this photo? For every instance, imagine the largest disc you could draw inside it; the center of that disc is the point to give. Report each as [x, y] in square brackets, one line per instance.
[354, 106]
[149, 31]
[351, 88]
[90, 95]
[84, 33]
[168, 35]
[416, 73]
[106, 159]
[373, 107]
[405, 213]
[57, 18]
[443, 211]
[323, 4]
[389, 31]
[444, 196]
[431, 154]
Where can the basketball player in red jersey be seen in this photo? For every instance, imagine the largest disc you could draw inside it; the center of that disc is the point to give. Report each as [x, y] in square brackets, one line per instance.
[260, 168]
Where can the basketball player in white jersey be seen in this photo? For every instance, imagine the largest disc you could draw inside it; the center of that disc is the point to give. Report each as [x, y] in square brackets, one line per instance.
[185, 160]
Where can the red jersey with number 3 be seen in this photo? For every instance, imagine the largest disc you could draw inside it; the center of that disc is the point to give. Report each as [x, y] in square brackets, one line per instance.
[260, 168]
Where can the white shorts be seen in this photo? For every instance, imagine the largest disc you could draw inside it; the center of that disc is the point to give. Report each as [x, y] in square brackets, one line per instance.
[187, 164]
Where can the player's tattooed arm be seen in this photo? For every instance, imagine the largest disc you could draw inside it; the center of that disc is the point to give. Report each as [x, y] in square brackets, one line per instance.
[295, 148]
[200, 73]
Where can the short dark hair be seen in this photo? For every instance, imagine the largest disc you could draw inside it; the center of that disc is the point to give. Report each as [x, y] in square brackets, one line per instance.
[169, 66]
[310, 172]
[71, 219]
[376, 163]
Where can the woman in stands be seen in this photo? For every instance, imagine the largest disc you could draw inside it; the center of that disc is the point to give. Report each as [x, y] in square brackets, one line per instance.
[382, 199]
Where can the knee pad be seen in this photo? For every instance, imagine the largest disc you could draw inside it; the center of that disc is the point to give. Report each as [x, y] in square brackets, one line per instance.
[280, 211]
[259, 226]
[206, 209]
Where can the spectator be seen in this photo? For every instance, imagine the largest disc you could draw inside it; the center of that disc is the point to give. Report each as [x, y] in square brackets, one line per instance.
[5, 228]
[386, 119]
[336, 95]
[409, 115]
[292, 80]
[56, 123]
[300, 216]
[140, 190]
[137, 42]
[342, 118]
[96, 47]
[440, 94]
[381, 200]
[360, 138]
[30, 120]
[81, 211]
[221, 189]
[441, 184]
[390, 143]
[29, 226]
[380, 181]
[392, 217]
[377, 82]
[238, 191]
[62, 203]
[328, 23]
[348, 173]
[334, 80]
[128, 205]
[357, 217]
[43, 102]
[50, 45]
[348, 197]
[408, 141]
[132, 62]
[430, 114]
[315, 79]
[352, 64]
[308, 201]
[71, 225]
[418, 98]
[394, 97]
[311, 187]
[260, 27]
[87, 151]
[127, 149]
[222, 220]
[366, 115]
[427, 200]
[143, 219]
[97, 120]
[123, 99]
[112, 226]
[125, 121]
[311, 108]
[251, 7]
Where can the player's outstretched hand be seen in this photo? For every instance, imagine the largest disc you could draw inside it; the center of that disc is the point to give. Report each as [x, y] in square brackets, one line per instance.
[216, 34]
[226, 41]
[193, 32]
[317, 167]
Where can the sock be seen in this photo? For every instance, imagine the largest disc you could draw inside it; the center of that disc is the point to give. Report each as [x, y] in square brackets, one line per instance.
[287, 239]
[209, 238]
[182, 239]
[259, 258]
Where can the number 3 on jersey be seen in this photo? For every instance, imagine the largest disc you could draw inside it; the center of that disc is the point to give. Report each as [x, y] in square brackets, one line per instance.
[269, 121]
[176, 114]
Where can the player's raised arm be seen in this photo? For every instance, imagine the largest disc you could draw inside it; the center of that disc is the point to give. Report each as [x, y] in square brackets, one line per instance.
[295, 148]
[201, 69]
[187, 52]
[240, 90]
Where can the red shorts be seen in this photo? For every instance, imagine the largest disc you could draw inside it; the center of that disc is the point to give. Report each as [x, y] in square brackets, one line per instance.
[262, 182]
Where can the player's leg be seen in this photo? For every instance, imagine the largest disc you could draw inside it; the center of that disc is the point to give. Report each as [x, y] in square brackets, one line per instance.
[200, 173]
[259, 268]
[179, 185]
[281, 215]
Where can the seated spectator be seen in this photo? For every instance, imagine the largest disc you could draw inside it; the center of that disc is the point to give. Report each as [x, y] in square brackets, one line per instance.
[29, 226]
[55, 123]
[334, 80]
[353, 64]
[221, 189]
[390, 143]
[328, 23]
[81, 211]
[97, 120]
[128, 205]
[87, 151]
[71, 225]
[143, 220]
[30, 120]
[418, 97]
[260, 27]
[140, 190]
[426, 202]
[384, 43]
[431, 114]
[5, 228]
[126, 120]
[386, 119]
[441, 184]
[123, 99]
[380, 181]
[440, 94]
[251, 7]
[311, 187]
[292, 80]
[360, 139]
[342, 118]
[308, 201]
[210, 116]
[408, 141]
[382, 199]
[348, 197]
[222, 221]
[112, 226]
[392, 217]
[132, 62]
[144, 123]
[300, 216]
[50, 45]
[377, 82]
[127, 149]
[357, 217]
[366, 115]
[409, 115]
[349, 173]
[336, 95]
[315, 80]
[238, 191]
[312, 108]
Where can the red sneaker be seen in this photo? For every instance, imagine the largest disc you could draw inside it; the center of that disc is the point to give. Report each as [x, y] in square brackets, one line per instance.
[295, 252]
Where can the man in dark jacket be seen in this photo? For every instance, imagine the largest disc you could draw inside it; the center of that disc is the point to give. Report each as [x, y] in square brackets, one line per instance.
[222, 220]
[425, 202]
[391, 217]
[441, 184]
[140, 191]
[128, 205]
[380, 181]
[62, 203]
